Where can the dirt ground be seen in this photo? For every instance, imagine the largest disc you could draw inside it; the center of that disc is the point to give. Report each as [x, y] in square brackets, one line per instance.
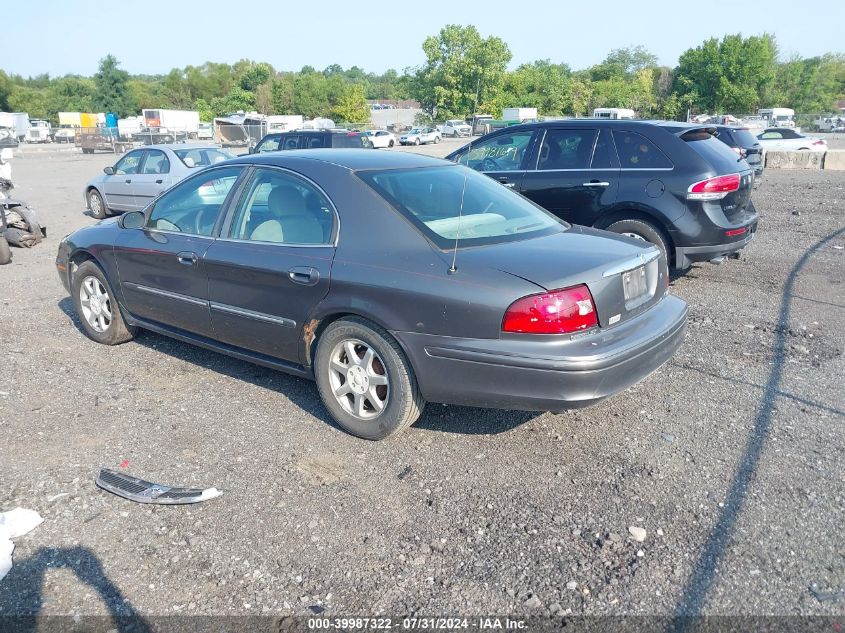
[730, 457]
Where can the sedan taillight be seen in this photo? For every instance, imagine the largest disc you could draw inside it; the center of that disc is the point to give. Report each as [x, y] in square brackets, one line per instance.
[556, 312]
[713, 188]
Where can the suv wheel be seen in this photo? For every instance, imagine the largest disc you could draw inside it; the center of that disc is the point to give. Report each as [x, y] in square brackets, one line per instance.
[365, 380]
[642, 230]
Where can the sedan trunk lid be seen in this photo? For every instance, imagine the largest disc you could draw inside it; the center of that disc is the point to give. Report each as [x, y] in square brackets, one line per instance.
[625, 276]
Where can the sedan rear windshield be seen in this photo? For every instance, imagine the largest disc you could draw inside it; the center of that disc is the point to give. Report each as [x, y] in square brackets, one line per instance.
[202, 156]
[449, 204]
[742, 137]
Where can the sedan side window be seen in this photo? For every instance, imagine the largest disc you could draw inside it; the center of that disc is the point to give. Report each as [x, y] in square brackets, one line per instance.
[567, 148]
[193, 205]
[156, 163]
[776, 135]
[282, 209]
[637, 152]
[129, 164]
[291, 142]
[501, 153]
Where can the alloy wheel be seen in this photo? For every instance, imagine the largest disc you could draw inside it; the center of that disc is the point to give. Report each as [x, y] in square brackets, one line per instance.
[358, 379]
[96, 304]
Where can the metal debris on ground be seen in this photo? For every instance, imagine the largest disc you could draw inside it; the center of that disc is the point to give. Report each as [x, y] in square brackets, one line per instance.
[141, 491]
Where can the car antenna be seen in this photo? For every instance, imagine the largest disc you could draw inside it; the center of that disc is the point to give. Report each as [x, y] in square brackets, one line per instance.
[453, 268]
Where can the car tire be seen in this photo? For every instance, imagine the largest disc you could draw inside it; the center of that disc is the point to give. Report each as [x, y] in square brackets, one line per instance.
[97, 307]
[417, 141]
[97, 205]
[643, 230]
[391, 144]
[436, 140]
[356, 408]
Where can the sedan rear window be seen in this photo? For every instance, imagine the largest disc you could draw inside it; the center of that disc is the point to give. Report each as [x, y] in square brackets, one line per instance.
[202, 156]
[449, 204]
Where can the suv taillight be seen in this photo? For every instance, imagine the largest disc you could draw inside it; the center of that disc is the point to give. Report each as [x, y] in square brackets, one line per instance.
[555, 312]
[713, 188]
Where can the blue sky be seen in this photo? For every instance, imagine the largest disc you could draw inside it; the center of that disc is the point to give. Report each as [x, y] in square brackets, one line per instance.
[154, 37]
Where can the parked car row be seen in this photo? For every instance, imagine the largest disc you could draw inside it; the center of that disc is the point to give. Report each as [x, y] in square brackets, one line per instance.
[394, 279]
[390, 279]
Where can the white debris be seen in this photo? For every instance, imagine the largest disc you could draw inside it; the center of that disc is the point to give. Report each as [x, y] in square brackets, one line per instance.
[209, 493]
[13, 524]
[637, 533]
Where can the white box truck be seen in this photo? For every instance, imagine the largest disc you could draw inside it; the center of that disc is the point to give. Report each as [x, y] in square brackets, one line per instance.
[175, 122]
[519, 114]
[18, 122]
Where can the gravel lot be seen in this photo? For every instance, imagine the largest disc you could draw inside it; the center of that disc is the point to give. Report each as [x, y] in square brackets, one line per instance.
[730, 458]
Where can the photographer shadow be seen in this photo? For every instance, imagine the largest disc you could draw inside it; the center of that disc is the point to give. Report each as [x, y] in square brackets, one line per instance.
[21, 593]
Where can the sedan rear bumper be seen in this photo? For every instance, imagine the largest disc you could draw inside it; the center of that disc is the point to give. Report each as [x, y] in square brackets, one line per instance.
[544, 373]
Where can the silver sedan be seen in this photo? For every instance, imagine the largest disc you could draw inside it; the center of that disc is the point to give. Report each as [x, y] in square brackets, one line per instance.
[141, 174]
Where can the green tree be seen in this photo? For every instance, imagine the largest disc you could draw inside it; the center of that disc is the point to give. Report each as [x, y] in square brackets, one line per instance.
[310, 95]
[352, 106]
[33, 101]
[111, 89]
[255, 75]
[460, 65]
[540, 84]
[731, 75]
[5, 91]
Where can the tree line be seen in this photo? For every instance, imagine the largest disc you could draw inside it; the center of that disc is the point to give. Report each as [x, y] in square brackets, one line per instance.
[463, 73]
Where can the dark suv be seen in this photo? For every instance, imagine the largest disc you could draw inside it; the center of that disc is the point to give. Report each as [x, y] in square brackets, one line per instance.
[310, 139]
[672, 184]
[744, 143]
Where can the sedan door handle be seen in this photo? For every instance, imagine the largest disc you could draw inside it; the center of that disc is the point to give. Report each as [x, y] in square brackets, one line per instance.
[159, 181]
[305, 275]
[596, 183]
[509, 185]
[188, 258]
[128, 180]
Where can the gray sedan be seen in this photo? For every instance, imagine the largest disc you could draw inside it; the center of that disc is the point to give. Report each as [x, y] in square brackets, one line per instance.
[391, 279]
[140, 175]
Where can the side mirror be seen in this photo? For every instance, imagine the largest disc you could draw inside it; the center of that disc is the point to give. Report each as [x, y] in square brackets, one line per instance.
[132, 220]
[109, 171]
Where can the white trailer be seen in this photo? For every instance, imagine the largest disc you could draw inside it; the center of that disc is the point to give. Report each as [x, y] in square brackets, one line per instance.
[614, 113]
[129, 126]
[284, 122]
[519, 114]
[187, 121]
[16, 121]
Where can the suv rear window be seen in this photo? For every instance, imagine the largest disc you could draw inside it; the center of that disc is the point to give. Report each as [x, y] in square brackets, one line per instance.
[744, 138]
[721, 157]
[349, 139]
[637, 152]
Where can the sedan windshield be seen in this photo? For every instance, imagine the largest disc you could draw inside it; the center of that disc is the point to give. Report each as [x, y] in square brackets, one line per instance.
[456, 203]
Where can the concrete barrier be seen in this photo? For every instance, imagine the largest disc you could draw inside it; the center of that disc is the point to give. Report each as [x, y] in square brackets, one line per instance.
[777, 159]
[835, 159]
